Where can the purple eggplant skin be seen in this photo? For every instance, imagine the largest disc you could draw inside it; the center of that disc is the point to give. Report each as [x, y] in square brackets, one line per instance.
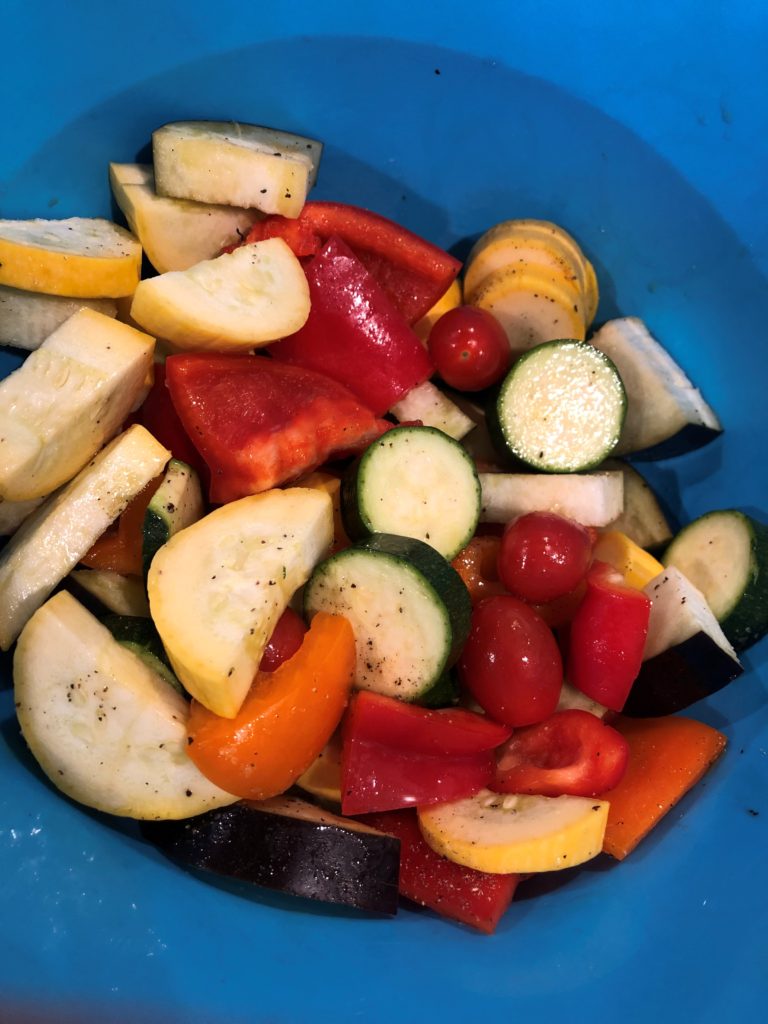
[290, 846]
[678, 677]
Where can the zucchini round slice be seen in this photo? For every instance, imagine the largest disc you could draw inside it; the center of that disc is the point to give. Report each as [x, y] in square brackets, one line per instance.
[725, 555]
[561, 407]
[413, 482]
[408, 607]
[504, 834]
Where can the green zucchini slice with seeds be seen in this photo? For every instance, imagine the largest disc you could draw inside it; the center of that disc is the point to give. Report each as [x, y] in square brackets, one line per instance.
[413, 482]
[561, 407]
[408, 607]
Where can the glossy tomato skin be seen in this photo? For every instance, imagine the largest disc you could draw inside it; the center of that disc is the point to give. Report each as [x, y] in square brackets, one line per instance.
[544, 556]
[469, 348]
[511, 663]
[572, 753]
[286, 639]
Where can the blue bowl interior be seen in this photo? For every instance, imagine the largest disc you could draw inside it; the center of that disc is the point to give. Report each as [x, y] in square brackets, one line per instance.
[448, 143]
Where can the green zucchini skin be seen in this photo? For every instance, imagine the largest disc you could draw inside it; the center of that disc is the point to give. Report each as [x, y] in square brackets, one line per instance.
[141, 637]
[544, 456]
[745, 619]
[420, 577]
[177, 503]
[299, 850]
[399, 463]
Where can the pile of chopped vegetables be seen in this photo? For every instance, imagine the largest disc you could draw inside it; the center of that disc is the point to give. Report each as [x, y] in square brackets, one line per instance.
[325, 560]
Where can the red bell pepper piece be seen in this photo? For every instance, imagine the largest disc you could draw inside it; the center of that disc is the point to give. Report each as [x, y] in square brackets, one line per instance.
[607, 637]
[377, 777]
[375, 718]
[463, 894]
[354, 334]
[160, 418]
[259, 423]
[413, 272]
[571, 753]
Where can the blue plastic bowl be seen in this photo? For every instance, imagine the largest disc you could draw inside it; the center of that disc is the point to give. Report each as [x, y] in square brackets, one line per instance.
[642, 129]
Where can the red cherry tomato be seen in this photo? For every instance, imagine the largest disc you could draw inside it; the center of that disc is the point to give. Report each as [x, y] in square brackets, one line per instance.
[469, 348]
[544, 556]
[511, 663]
[573, 753]
[285, 640]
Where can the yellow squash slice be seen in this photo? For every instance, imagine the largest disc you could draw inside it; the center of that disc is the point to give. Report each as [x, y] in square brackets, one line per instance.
[175, 233]
[217, 588]
[516, 834]
[104, 727]
[234, 303]
[79, 257]
[66, 400]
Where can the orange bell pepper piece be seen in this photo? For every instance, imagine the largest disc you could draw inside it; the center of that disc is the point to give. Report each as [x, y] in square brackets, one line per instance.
[667, 757]
[286, 719]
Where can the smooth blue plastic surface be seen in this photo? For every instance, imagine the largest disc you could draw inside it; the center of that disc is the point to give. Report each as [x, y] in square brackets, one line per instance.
[640, 128]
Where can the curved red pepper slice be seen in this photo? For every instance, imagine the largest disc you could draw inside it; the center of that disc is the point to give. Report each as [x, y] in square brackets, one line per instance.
[451, 731]
[607, 637]
[414, 272]
[354, 334]
[571, 753]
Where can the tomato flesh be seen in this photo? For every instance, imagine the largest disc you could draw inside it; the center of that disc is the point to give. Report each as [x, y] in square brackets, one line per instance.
[469, 348]
[511, 663]
[572, 753]
[543, 556]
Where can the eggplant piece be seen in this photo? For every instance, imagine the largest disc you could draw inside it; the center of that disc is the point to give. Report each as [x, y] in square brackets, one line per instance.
[687, 656]
[291, 846]
[666, 414]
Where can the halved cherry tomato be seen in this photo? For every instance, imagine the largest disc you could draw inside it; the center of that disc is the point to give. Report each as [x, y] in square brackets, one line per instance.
[472, 897]
[469, 348]
[286, 639]
[572, 753]
[511, 663]
[285, 721]
[544, 556]
[375, 718]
